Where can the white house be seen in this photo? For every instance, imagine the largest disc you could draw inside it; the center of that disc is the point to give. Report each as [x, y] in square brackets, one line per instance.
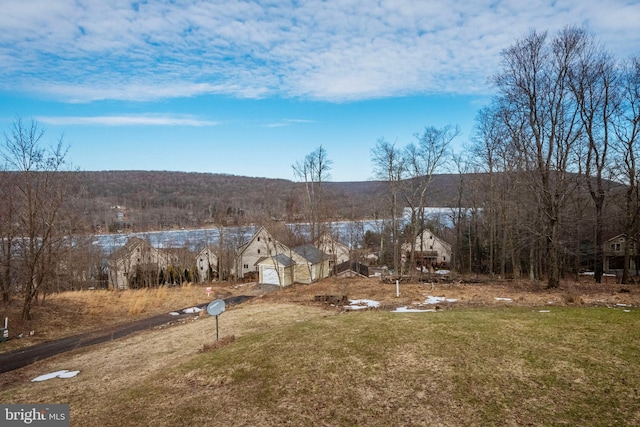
[259, 246]
[430, 250]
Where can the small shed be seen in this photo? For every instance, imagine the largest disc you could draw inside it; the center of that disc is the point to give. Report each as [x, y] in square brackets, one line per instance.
[276, 270]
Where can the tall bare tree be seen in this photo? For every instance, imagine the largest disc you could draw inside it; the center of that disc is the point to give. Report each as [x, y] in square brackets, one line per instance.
[627, 147]
[40, 201]
[534, 87]
[389, 165]
[422, 160]
[8, 234]
[593, 81]
[314, 171]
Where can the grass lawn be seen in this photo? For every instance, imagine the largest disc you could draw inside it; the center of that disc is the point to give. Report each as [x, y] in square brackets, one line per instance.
[490, 366]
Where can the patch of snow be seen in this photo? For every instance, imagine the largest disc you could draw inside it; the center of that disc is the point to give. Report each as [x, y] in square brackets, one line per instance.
[406, 309]
[544, 311]
[503, 299]
[442, 272]
[623, 305]
[360, 304]
[436, 300]
[627, 311]
[174, 313]
[192, 310]
[58, 374]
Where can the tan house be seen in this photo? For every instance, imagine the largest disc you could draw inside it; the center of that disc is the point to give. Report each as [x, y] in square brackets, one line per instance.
[259, 246]
[302, 264]
[614, 255]
[137, 264]
[430, 251]
[337, 251]
[207, 264]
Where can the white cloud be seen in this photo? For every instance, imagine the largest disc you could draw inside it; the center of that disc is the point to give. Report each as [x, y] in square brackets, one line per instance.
[144, 120]
[330, 50]
[288, 122]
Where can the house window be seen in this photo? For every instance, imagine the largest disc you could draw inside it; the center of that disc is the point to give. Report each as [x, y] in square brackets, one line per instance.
[246, 266]
[258, 250]
[617, 246]
[258, 238]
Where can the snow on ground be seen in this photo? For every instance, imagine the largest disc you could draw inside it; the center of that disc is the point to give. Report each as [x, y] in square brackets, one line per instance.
[58, 374]
[503, 299]
[186, 311]
[437, 300]
[361, 304]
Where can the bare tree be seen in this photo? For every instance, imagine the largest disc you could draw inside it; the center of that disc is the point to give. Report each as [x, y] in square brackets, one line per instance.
[593, 81]
[534, 88]
[314, 171]
[389, 166]
[40, 202]
[422, 160]
[8, 233]
[627, 129]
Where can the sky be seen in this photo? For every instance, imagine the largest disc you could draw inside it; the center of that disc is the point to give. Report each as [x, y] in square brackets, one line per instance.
[251, 87]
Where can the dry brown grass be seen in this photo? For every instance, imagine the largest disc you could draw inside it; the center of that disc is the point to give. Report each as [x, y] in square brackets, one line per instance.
[68, 313]
[303, 363]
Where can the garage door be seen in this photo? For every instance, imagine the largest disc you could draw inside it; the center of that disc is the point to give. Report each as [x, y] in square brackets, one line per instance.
[270, 276]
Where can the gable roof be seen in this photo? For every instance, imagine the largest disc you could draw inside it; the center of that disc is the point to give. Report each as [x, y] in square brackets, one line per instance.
[281, 259]
[260, 232]
[129, 247]
[310, 253]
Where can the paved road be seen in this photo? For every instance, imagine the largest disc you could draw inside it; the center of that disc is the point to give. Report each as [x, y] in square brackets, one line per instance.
[28, 355]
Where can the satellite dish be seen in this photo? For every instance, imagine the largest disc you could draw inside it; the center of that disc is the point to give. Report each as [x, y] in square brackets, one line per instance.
[215, 307]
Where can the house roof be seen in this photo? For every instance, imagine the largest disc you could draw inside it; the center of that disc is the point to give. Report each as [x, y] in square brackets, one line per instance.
[327, 238]
[129, 246]
[281, 259]
[310, 253]
[260, 232]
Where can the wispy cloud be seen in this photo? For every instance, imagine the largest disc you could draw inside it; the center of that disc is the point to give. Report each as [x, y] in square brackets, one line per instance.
[328, 50]
[144, 120]
[288, 122]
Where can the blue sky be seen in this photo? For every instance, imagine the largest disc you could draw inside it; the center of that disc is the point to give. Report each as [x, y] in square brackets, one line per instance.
[249, 88]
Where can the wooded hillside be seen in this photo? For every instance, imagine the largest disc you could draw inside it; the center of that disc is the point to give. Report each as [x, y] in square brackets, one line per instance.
[147, 200]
